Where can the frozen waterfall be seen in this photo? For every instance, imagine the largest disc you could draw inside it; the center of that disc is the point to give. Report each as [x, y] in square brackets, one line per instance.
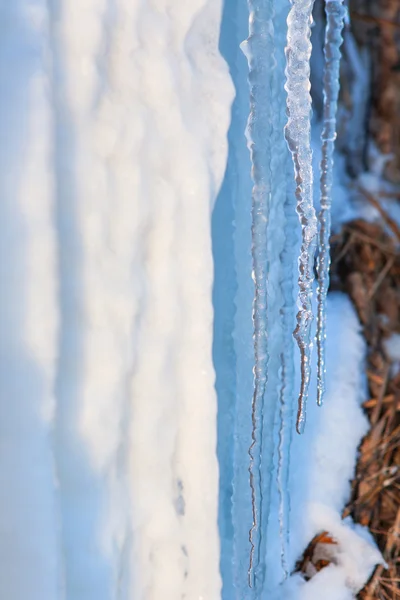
[149, 276]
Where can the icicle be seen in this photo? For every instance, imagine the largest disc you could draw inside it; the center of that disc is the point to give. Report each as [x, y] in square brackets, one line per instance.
[335, 14]
[297, 132]
[258, 48]
[287, 374]
[284, 248]
[283, 467]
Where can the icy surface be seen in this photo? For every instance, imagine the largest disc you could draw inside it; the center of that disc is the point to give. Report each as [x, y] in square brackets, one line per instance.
[272, 251]
[335, 12]
[233, 329]
[298, 135]
[260, 43]
[284, 247]
[287, 470]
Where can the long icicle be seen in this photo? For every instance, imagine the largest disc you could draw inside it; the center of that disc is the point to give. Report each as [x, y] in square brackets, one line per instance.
[258, 48]
[287, 391]
[297, 132]
[335, 14]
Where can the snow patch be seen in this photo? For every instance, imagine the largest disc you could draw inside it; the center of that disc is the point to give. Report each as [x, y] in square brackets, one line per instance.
[392, 347]
[330, 444]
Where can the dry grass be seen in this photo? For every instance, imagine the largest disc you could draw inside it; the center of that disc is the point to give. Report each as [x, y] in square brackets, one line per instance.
[366, 264]
[376, 26]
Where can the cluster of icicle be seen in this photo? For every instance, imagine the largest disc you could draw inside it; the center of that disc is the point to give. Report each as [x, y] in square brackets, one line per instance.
[297, 131]
[273, 250]
[272, 307]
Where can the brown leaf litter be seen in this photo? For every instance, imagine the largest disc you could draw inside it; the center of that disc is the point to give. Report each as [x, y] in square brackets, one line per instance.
[317, 555]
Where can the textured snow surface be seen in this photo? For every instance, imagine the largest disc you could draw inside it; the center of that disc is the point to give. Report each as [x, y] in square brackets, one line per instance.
[115, 115]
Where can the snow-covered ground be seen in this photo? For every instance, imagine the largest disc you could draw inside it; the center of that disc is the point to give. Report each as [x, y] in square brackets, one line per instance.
[323, 463]
[113, 121]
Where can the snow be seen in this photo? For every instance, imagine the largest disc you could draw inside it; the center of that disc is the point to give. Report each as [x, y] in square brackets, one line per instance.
[392, 347]
[329, 447]
[116, 116]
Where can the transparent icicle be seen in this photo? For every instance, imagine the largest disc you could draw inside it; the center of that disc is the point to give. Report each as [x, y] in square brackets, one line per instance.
[284, 250]
[287, 388]
[285, 436]
[297, 132]
[258, 49]
[335, 14]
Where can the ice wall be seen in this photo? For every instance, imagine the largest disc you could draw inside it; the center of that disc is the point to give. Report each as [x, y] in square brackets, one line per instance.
[233, 300]
[278, 489]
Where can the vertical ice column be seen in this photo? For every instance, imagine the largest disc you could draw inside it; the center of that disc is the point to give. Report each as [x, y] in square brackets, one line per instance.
[281, 308]
[258, 49]
[297, 131]
[273, 302]
[335, 12]
[233, 327]
[283, 191]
